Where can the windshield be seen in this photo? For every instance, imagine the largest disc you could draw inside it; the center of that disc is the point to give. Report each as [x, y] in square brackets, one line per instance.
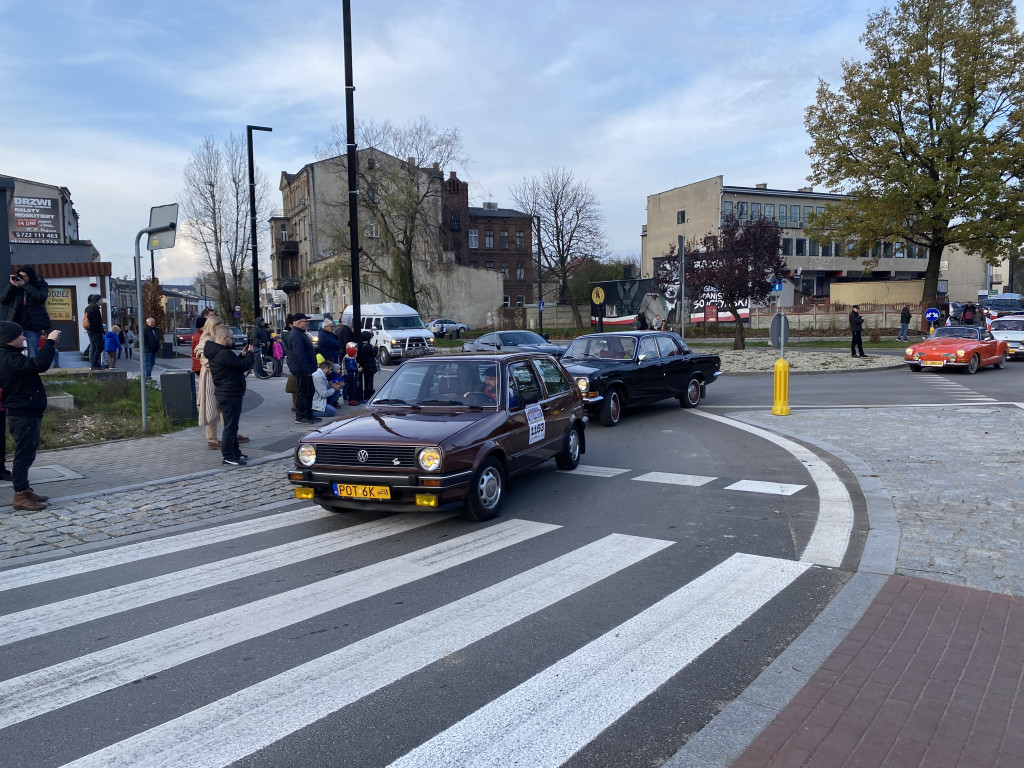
[518, 338]
[1008, 325]
[1003, 305]
[957, 332]
[403, 323]
[602, 347]
[441, 383]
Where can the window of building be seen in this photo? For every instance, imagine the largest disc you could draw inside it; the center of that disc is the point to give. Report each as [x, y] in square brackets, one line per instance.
[488, 238]
[755, 211]
[520, 271]
[488, 265]
[374, 193]
[741, 211]
[503, 240]
[371, 229]
[808, 212]
[826, 249]
[455, 224]
[769, 210]
[911, 251]
[801, 246]
[819, 210]
[886, 250]
[783, 217]
[897, 250]
[794, 215]
[504, 269]
[680, 217]
[520, 300]
[812, 248]
[473, 240]
[520, 239]
[876, 252]
[474, 263]
[504, 301]
[727, 207]
[787, 246]
[922, 252]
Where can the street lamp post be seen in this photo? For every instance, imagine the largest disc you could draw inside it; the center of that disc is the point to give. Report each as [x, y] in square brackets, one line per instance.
[252, 220]
[540, 270]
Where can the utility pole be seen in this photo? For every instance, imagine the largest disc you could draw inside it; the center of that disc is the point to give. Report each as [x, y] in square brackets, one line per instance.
[540, 271]
[352, 159]
[252, 220]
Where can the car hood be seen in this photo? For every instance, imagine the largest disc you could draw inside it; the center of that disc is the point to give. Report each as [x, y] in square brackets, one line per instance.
[388, 424]
[410, 333]
[593, 367]
[943, 345]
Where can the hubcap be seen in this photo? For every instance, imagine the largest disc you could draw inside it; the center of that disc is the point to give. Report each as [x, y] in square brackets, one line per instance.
[489, 488]
[574, 445]
[615, 406]
[693, 393]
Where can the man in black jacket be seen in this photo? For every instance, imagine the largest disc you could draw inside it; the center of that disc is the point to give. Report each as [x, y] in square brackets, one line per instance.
[95, 318]
[150, 345]
[228, 372]
[856, 326]
[25, 400]
[302, 363]
[24, 303]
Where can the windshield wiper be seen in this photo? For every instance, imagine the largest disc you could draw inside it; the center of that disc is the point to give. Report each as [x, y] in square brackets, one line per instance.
[441, 402]
[393, 401]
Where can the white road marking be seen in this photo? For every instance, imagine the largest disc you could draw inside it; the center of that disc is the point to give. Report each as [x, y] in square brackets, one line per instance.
[834, 524]
[107, 602]
[227, 730]
[130, 553]
[760, 486]
[674, 478]
[44, 690]
[549, 718]
[592, 471]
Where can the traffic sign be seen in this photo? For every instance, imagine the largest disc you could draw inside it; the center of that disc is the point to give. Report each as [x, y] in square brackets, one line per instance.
[162, 216]
[931, 315]
[542, 303]
[776, 286]
[237, 308]
[778, 331]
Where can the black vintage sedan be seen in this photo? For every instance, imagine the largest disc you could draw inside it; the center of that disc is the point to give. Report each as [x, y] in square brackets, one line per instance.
[513, 341]
[617, 370]
[446, 433]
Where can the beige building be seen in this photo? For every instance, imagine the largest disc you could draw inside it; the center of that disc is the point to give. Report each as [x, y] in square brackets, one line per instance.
[684, 215]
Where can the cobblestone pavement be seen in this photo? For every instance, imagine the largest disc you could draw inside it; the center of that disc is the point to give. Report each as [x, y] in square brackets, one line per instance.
[954, 477]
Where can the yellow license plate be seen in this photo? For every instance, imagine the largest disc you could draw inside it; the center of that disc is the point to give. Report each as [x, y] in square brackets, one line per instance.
[374, 492]
[937, 363]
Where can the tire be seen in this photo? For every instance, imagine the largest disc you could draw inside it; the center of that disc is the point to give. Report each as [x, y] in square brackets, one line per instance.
[384, 356]
[691, 398]
[1002, 361]
[611, 408]
[915, 368]
[972, 367]
[569, 457]
[486, 491]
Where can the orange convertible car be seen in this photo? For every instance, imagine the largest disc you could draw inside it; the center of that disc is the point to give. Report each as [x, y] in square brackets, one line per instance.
[957, 346]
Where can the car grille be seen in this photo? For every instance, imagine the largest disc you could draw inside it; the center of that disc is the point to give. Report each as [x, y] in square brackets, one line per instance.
[389, 456]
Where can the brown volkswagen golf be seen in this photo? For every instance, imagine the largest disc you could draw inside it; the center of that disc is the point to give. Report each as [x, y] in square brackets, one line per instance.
[446, 433]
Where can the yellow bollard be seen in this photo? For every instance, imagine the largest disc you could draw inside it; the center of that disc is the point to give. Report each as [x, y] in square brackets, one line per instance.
[781, 406]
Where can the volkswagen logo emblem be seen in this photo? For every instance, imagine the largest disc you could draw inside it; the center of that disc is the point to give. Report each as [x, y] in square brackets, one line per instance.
[363, 457]
[396, 462]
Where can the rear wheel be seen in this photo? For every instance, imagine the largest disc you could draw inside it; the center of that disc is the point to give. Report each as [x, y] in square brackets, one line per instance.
[972, 367]
[691, 398]
[1002, 361]
[486, 491]
[569, 457]
[611, 408]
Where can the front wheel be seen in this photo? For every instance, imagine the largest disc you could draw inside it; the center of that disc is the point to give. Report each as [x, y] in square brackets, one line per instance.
[916, 368]
[569, 457]
[384, 356]
[611, 408]
[1002, 361]
[691, 398]
[972, 367]
[486, 491]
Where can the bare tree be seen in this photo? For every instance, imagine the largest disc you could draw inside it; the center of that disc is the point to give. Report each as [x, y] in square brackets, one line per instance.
[215, 215]
[571, 226]
[401, 178]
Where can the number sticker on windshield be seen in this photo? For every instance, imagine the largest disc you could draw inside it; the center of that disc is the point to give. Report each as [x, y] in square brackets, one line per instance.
[535, 418]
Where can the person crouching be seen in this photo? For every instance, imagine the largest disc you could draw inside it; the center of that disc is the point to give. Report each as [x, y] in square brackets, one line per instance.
[228, 372]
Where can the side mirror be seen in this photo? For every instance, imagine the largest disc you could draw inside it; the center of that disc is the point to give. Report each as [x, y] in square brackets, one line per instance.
[546, 337]
[641, 358]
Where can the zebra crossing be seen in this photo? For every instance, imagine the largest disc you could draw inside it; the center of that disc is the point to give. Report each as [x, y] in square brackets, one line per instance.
[954, 389]
[552, 714]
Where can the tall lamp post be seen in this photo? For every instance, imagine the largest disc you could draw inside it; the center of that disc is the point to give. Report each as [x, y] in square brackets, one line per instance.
[351, 161]
[252, 220]
[540, 270]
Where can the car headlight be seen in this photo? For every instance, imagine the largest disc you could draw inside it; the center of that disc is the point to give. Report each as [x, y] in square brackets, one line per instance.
[307, 454]
[430, 340]
[429, 459]
[908, 351]
[960, 353]
[583, 383]
[394, 342]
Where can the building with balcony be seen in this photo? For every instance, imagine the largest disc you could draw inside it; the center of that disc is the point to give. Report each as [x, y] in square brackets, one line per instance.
[684, 215]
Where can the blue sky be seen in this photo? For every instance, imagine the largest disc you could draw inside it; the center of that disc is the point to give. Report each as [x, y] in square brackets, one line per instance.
[109, 97]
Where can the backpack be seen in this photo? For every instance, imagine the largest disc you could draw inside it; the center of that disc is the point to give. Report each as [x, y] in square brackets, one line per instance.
[85, 321]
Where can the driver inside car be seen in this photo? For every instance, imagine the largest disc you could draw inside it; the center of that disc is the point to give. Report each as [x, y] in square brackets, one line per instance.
[491, 387]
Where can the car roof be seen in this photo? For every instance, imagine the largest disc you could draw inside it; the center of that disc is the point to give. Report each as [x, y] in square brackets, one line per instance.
[480, 356]
[619, 334]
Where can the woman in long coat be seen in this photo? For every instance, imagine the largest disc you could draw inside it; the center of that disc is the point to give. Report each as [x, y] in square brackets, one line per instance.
[206, 400]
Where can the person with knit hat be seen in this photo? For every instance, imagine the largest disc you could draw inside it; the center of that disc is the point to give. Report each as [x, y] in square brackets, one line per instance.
[25, 400]
[351, 374]
[24, 303]
[95, 319]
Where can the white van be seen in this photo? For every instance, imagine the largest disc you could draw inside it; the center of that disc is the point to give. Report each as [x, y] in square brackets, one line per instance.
[397, 330]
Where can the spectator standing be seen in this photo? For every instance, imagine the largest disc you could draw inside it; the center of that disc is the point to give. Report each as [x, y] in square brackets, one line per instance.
[967, 316]
[129, 341]
[24, 302]
[260, 338]
[327, 342]
[112, 344]
[304, 358]
[228, 373]
[366, 356]
[277, 352]
[856, 327]
[904, 324]
[95, 330]
[351, 374]
[345, 335]
[24, 397]
[197, 334]
[150, 344]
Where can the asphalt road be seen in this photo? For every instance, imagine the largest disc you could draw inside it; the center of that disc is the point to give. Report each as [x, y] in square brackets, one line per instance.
[607, 616]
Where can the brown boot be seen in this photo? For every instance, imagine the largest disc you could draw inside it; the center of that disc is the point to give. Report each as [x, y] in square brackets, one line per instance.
[36, 497]
[22, 500]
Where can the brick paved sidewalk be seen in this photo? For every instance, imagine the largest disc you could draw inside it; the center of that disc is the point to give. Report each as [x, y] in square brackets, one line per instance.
[931, 676]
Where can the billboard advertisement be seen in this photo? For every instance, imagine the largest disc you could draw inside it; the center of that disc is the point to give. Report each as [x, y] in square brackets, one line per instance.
[620, 301]
[35, 220]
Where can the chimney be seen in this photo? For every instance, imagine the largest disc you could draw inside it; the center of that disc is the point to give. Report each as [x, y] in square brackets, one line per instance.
[452, 176]
[437, 167]
[806, 189]
[491, 206]
[762, 185]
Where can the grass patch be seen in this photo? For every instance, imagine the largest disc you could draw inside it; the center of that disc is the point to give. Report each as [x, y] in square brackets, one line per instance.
[107, 409]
